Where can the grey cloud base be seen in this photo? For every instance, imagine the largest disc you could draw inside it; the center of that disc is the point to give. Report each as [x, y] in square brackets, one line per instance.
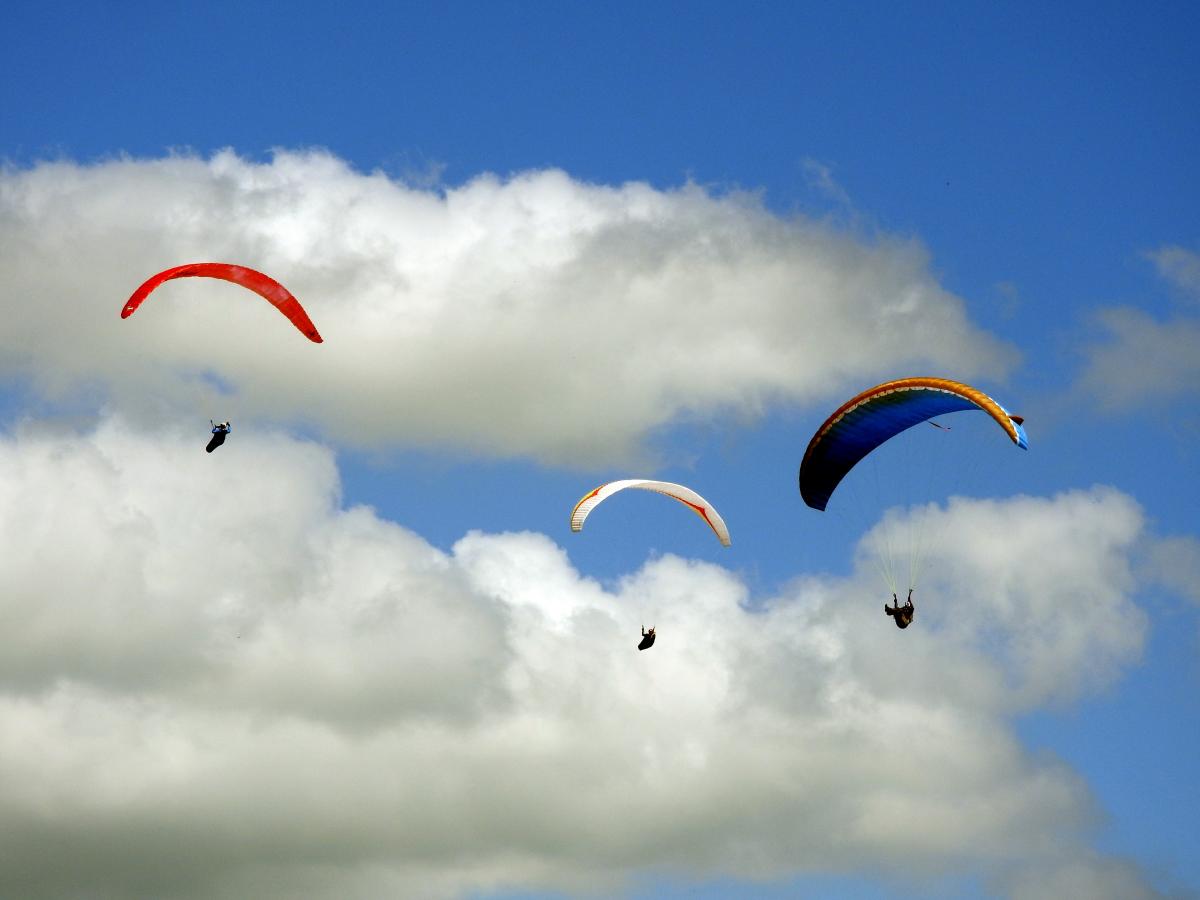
[285, 696]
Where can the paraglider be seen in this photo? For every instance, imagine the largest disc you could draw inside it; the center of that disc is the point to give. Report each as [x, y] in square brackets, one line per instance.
[263, 285]
[686, 496]
[902, 615]
[219, 431]
[870, 419]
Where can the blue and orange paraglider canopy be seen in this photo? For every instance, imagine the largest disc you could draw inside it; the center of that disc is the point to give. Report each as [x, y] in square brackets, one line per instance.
[873, 417]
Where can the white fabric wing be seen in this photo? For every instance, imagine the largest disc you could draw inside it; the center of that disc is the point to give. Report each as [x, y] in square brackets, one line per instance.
[684, 495]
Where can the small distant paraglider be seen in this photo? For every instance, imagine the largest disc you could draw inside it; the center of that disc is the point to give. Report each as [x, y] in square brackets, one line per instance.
[220, 430]
[684, 495]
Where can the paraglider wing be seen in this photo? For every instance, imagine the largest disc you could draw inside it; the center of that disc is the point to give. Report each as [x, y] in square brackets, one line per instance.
[879, 414]
[686, 496]
[263, 285]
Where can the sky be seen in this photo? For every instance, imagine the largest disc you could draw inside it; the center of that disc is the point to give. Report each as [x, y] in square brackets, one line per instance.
[358, 652]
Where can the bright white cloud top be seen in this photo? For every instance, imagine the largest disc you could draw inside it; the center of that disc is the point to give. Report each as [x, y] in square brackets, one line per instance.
[536, 316]
[219, 677]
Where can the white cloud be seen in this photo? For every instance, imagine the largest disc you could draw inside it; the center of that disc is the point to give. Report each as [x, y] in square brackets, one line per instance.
[220, 685]
[1142, 360]
[536, 316]
[1174, 562]
[1179, 266]
[820, 177]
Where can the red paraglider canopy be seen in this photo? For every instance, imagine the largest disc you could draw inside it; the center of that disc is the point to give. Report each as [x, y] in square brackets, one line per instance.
[263, 285]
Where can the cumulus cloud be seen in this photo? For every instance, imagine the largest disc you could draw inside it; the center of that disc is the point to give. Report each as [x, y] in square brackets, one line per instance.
[820, 177]
[218, 685]
[1180, 267]
[536, 315]
[1174, 562]
[1142, 360]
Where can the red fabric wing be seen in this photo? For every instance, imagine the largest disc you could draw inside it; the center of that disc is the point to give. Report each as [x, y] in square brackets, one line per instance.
[263, 285]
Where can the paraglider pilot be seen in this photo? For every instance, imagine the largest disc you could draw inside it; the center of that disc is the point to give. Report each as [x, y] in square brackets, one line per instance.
[902, 615]
[647, 638]
[218, 435]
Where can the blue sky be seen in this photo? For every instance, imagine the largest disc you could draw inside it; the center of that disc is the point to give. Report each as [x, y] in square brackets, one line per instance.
[1025, 176]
